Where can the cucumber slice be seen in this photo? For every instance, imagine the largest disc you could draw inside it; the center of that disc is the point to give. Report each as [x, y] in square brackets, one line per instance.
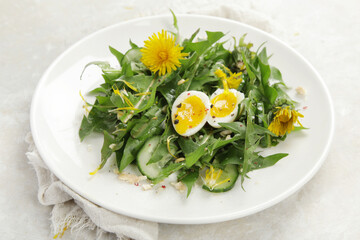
[225, 182]
[151, 171]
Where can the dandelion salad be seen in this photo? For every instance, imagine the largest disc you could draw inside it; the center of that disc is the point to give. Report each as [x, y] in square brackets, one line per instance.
[194, 107]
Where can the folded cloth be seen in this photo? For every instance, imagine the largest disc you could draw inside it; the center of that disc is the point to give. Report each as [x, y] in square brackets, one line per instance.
[83, 217]
[87, 220]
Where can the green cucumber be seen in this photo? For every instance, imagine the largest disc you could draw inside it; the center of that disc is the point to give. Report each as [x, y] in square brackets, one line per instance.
[152, 170]
[229, 172]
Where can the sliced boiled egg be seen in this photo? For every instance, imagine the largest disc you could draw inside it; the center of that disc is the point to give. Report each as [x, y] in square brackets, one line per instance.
[224, 106]
[189, 112]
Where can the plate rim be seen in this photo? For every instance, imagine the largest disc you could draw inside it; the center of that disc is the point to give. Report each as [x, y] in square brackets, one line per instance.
[199, 220]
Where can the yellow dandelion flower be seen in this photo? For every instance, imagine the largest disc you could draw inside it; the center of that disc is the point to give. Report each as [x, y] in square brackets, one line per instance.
[234, 79]
[212, 177]
[284, 121]
[160, 54]
[220, 74]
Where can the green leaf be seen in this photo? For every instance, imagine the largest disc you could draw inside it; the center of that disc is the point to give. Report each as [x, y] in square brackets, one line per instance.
[161, 149]
[140, 81]
[168, 88]
[166, 171]
[133, 45]
[85, 128]
[213, 37]
[148, 126]
[106, 151]
[262, 131]
[276, 74]
[299, 128]
[175, 23]
[98, 120]
[98, 90]
[123, 136]
[251, 140]
[131, 149]
[236, 156]
[221, 142]
[265, 73]
[189, 180]
[194, 35]
[126, 69]
[187, 145]
[263, 56]
[104, 101]
[117, 54]
[117, 101]
[271, 94]
[131, 63]
[236, 127]
[263, 162]
[248, 69]
[150, 102]
[192, 158]
[106, 69]
[161, 153]
[145, 128]
[201, 46]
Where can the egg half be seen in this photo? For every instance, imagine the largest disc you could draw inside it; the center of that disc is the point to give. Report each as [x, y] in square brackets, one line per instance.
[189, 112]
[224, 106]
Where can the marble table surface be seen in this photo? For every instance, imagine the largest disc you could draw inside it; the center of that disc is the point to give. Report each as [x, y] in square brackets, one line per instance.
[327, 32]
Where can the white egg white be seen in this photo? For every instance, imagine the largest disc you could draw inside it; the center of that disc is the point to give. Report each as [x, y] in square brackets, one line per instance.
[181, 98]
[214, 122]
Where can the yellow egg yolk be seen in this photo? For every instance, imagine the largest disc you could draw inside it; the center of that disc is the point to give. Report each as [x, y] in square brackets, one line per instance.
[190, 113]
[223, 104]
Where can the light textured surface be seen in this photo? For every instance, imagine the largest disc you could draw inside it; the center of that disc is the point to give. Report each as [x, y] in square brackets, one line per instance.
[34, 32]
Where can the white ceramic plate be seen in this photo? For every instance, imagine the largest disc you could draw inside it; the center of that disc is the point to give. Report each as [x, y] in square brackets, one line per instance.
[56, 114]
